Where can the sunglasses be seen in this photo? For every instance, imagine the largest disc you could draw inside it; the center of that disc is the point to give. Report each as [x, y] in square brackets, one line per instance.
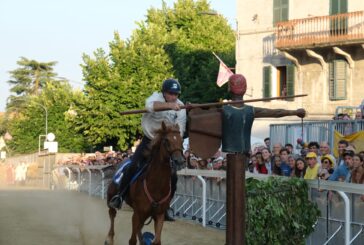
[326, 162]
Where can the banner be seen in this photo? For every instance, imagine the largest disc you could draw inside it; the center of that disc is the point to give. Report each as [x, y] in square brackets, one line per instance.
[224, 72]
[356, 139]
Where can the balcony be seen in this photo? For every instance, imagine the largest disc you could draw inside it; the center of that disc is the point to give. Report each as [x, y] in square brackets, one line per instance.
[321, 31]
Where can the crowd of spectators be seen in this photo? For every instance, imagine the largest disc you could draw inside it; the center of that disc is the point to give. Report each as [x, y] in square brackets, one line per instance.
[97, 158]
[315, 161]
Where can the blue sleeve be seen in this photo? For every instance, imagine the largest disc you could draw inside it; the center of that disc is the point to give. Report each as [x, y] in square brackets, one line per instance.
[335, 175]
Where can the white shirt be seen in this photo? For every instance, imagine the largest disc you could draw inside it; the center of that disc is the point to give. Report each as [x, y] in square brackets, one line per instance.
[153, 120]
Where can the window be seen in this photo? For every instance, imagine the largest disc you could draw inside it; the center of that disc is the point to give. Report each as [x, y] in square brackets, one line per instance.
[337, 80]
[280, 82]
[267, 77]
[338, 6]
[280, 11]
[338, 25]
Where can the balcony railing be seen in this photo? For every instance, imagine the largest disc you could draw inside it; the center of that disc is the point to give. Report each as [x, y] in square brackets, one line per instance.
[320, 31]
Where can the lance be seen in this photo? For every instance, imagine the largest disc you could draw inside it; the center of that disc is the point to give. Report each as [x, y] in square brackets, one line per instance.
[207, 105]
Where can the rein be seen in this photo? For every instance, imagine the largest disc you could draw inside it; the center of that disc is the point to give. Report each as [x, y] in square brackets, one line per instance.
[150, 198]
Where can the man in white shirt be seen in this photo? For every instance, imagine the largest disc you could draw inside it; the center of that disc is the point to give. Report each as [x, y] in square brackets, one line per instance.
[166, 100]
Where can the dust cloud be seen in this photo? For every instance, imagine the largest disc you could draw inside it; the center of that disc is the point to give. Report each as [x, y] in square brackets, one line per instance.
[31, 215]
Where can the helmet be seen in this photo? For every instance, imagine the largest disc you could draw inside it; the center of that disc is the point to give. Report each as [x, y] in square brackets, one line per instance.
[171, 85]
[237, 84]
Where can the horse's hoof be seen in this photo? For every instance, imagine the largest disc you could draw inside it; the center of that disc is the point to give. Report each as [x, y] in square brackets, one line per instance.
[108, 242]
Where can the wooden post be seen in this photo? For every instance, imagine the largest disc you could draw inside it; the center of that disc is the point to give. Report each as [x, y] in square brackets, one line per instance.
[235, 199]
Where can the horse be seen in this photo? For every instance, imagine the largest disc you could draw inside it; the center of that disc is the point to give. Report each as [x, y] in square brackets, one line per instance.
[150, 195]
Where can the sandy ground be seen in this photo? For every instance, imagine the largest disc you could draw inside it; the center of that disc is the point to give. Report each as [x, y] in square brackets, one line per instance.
[36, 217]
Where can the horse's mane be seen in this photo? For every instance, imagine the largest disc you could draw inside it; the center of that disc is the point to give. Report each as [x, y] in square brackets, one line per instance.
[156, 142]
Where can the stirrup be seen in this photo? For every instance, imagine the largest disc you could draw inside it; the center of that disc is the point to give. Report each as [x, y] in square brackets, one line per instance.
[116, 202]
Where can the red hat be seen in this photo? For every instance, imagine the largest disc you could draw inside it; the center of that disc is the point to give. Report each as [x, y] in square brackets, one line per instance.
[237, 84]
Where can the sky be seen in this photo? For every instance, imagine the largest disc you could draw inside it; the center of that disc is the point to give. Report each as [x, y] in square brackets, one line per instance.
[63, 30]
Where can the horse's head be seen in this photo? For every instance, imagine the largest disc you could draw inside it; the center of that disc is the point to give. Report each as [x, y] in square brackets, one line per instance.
[172, 142]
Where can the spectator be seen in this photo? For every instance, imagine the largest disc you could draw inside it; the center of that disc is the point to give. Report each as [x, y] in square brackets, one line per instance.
[342, 172]
[342, 144]
[289, 148]
[348, 129]
[267, 160]
[313, 146]
[276, 149]
[252, 163]
[292, 164]
[260, 168]
[327, 167]
[267, 142]
[277, 166]
[312, 166]
[358, 115]
[357, 174]
[325, 151]
[285, 168]
[361, 153]
[300, 168]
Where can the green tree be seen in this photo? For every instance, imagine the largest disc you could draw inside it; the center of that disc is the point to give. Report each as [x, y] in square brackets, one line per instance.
[28, 124]
[31, 76]
[171, 42]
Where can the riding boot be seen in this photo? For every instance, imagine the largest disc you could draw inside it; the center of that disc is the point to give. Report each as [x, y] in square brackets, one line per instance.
[168, 215]
[117, 200]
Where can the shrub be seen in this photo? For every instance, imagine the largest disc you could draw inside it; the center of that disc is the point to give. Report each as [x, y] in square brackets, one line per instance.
[279, 211]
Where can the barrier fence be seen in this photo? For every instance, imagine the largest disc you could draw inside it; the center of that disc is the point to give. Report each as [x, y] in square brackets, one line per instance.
[313, 131]
[201, 197]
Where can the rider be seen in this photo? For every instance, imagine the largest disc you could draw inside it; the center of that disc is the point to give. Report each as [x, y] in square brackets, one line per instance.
[166, 99]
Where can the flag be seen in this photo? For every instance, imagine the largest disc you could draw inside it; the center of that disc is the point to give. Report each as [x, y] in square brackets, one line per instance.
[224, 73]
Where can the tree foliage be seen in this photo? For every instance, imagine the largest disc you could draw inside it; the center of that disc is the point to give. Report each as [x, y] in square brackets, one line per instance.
[171, 42]
[279, 211]
[31, 76]
[29, 123]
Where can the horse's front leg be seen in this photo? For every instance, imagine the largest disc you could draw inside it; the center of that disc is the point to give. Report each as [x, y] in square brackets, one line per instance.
[158, 225]
[136, 230]
[110, 236]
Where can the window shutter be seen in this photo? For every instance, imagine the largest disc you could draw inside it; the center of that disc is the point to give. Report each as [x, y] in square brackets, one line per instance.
[340, 79]
[334, 7]
[331, 81]
[337, 80]
[343, 8]
[280, 10]
[290, 80]
[284, 10]
[267, 77]
[276, 11]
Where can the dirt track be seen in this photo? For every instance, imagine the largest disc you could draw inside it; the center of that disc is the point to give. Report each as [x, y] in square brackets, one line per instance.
[37, 217]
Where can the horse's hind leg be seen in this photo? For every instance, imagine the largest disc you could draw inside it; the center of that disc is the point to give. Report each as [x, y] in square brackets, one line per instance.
[110, 236]
[158, 225]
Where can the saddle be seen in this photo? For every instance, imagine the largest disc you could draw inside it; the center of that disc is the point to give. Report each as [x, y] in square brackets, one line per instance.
[122, 169]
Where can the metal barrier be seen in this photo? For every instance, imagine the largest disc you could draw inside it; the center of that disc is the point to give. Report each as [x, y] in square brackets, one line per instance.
[313, 131]
[201, 197]
[90, 179]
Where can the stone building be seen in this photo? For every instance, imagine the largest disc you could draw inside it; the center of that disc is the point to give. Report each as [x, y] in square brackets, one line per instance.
[289, 47]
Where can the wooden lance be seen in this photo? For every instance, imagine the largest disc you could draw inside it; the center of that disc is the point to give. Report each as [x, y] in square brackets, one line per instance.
[207, 105]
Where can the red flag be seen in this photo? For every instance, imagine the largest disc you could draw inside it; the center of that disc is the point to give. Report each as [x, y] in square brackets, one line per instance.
[224, 72]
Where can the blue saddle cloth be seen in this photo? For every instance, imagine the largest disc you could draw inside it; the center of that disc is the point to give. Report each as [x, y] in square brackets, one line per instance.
[120, 172]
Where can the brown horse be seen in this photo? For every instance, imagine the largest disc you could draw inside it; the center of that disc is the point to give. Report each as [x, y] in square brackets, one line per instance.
[150, 194]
